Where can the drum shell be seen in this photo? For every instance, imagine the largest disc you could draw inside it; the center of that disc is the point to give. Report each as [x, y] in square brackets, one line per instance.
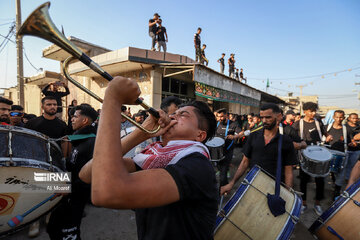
[248, 209]
[337, 162]
[216, 148]
[314, 167]
[343, 216]
[24, 153]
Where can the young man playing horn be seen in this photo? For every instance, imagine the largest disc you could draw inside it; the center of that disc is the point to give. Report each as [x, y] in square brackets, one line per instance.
[171, 184]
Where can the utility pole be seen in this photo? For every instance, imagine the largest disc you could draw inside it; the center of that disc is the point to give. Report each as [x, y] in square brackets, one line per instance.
[301, 102]
[19, 48]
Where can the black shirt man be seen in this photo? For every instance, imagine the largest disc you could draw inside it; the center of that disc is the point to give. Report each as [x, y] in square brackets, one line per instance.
[65, 220]
[54, 92]
[222, 63]
[197, 45]
[227, 130]
[262, 148]
[311, 133]
[48, 123]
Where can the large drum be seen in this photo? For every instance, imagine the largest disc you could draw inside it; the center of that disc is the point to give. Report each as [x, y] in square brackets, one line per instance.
[341, 220]
[247, 215]
[337, 162]
[216, 148]
[315, 161]
[22, 154]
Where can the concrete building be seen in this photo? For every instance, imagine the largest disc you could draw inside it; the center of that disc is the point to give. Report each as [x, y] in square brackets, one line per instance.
[158, 74]
[295, 102]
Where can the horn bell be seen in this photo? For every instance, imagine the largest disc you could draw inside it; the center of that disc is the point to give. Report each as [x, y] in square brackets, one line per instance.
[39, 24]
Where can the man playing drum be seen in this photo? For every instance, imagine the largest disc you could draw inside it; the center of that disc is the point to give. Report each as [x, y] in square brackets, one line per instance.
[261, 148]
[338, 143]
[311, 132]
[171, 184]
[227, 130]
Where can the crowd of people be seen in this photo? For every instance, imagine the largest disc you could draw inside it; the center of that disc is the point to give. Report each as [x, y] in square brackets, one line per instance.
[174, 189]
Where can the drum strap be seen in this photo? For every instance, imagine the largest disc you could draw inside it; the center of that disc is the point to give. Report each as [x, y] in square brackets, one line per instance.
[275, 202]
[80, 136]
[301, 125]
[226, 132]
[345, 137]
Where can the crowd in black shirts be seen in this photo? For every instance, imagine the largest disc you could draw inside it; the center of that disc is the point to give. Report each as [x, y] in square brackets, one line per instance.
[314, 131]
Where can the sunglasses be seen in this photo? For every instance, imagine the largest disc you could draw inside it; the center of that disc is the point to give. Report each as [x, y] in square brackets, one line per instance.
[16, 114]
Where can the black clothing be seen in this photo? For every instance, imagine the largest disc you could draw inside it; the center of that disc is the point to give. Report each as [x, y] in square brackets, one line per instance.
[338, 139]
[153, 27]
[241, 75]
[266, 155]
[288, 130]
[160, 34]
[221, 60]
[197, 40]
[311, 134]
[81, 153]
[57, 95]
[221, 131]
[319, 183]
[351, 132]
[194, 215]
[52, 128]
[65, 220]
[224, 164]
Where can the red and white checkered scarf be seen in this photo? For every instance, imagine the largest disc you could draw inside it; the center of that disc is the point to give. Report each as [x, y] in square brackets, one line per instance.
[157, 156]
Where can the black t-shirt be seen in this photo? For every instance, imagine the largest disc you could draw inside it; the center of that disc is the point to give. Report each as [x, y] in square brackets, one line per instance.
[197, 40]
[221, 60]
[161, 34]
[351, 132]
[194, 215]
[231, 63]
[288, 130]
[221, 131]
[53, 128]
[153, 27]
[311, 134]
[338, 139]
[241, 75]
[266, 155]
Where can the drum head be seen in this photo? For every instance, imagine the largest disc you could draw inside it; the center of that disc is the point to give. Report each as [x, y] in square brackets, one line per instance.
[215, 142]
[317, 153]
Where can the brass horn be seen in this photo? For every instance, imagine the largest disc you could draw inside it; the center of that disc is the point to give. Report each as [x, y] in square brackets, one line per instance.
[39, 24]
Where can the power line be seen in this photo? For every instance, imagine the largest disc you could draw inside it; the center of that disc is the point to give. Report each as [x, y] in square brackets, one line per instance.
[355, 67]
[7, 23]
[8, 39]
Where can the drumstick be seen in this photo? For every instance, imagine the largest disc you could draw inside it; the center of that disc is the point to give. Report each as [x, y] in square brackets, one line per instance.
[19, 218]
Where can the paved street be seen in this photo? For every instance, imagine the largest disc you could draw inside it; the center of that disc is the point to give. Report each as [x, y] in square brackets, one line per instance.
[108, 224]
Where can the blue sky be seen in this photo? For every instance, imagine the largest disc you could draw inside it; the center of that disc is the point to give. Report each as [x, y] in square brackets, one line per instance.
[279, 40]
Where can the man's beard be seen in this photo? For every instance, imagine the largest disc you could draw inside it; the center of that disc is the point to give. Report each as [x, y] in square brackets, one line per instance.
[52, 113]
[5, 119]
[271, 126]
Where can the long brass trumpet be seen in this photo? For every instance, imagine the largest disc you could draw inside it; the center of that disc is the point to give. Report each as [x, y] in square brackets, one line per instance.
[39, 24]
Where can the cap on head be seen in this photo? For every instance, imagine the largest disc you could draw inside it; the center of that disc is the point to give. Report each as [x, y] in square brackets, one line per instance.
[156, 14]
[288, 112]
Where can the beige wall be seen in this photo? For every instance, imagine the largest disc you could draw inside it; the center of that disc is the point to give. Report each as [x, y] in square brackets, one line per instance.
[98, 86]
[32, 95]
